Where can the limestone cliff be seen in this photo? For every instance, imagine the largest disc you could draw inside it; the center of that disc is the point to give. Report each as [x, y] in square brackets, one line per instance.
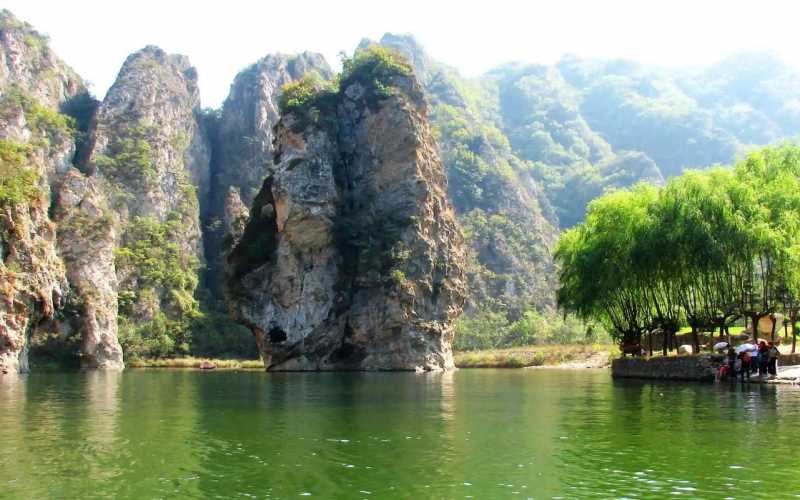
[351, 258]
[86, 239]
[242, 139]
[36, 145]
[509, 224]
[151, 157]
[28, 63]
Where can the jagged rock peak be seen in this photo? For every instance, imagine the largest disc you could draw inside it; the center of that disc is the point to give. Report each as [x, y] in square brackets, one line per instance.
[154, 108]
[411, 48]
[150, 155]
[86, 239]
[149, 75]
[249, 112]
[351, 258]
[243, 139]
[28, 63]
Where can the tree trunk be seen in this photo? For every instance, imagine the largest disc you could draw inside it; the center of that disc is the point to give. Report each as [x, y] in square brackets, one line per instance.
[650, 341]
[774, 325]
[754, 327]
[794, 332]
[695, 340]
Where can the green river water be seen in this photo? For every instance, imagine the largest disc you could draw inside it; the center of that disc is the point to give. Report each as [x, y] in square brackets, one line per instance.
[468, 434]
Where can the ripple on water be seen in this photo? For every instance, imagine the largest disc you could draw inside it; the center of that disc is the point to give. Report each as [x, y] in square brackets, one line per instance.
[485, 434]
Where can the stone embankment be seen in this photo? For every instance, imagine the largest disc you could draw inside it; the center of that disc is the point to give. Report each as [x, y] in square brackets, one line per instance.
[699, 368]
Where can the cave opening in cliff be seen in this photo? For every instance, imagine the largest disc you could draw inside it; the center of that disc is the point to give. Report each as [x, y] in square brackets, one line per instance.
[276, 335]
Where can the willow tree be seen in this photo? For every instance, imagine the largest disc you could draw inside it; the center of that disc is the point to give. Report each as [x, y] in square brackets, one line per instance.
[598, 279]
[708, 248]
[708, 224]
[774, 175]
[769, 197]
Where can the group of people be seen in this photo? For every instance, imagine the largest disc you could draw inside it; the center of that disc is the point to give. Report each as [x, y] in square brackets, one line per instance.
[764, 359]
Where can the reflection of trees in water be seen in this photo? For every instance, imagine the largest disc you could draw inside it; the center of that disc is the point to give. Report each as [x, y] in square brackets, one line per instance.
[506, 421]
[59, 432]
[649, 435]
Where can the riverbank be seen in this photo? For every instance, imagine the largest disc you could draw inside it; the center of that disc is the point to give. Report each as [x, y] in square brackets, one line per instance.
[544, 356]
[540, 356]
[199, 363]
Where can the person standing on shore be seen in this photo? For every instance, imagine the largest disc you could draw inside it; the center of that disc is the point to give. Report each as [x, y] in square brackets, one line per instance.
[744, 358]
[731, 363]
[773, 354]
[763, 358]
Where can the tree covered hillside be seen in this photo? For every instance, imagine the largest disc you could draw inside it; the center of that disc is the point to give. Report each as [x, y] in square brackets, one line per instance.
[587, 125]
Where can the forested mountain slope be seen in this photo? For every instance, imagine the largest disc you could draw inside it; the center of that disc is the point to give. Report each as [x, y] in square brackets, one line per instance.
[576, 118]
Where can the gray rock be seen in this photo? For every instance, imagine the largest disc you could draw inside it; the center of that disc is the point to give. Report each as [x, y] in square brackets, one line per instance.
[243, 139]
[151, 157]
[87, 238]
[351, 259]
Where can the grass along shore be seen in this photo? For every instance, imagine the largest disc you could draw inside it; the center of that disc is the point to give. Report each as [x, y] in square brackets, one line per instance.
[192, 362]
[572, 355]
[569, 355]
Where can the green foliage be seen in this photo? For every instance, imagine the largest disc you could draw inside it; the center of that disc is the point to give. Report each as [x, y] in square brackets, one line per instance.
[164, 280]
[314, 100]
[215, 334]
[398, 276]
[708, 248]
[43, 121]
[301, 93]
[153, 250]
[492, 330]
[129, 155]
[157, 338]
[18, 181]
[374, 65]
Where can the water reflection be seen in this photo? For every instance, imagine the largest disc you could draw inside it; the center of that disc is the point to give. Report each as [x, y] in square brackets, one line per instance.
[481, 433]
[100, 429]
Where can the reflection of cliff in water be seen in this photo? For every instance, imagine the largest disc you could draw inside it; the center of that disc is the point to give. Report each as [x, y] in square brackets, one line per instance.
[102, 414]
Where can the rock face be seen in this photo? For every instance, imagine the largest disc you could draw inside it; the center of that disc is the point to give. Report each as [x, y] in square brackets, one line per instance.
[28, 63]
[509, 223]
[32, 280]
[87, 238]
[150, 156]
[36, 145]
[351, 259]
[250, 112]
[243, 142]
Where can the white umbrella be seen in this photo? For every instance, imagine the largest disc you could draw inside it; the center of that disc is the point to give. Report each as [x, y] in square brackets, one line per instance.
[720, 346]
[746, 347]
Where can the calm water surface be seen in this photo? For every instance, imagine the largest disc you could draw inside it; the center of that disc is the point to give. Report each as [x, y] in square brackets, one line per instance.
[473, 433]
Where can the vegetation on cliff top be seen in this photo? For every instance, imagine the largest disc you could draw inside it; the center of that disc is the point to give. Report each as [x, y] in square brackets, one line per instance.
[313, 100]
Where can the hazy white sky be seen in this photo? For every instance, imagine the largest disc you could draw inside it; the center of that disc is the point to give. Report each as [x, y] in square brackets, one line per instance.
[95, 36]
